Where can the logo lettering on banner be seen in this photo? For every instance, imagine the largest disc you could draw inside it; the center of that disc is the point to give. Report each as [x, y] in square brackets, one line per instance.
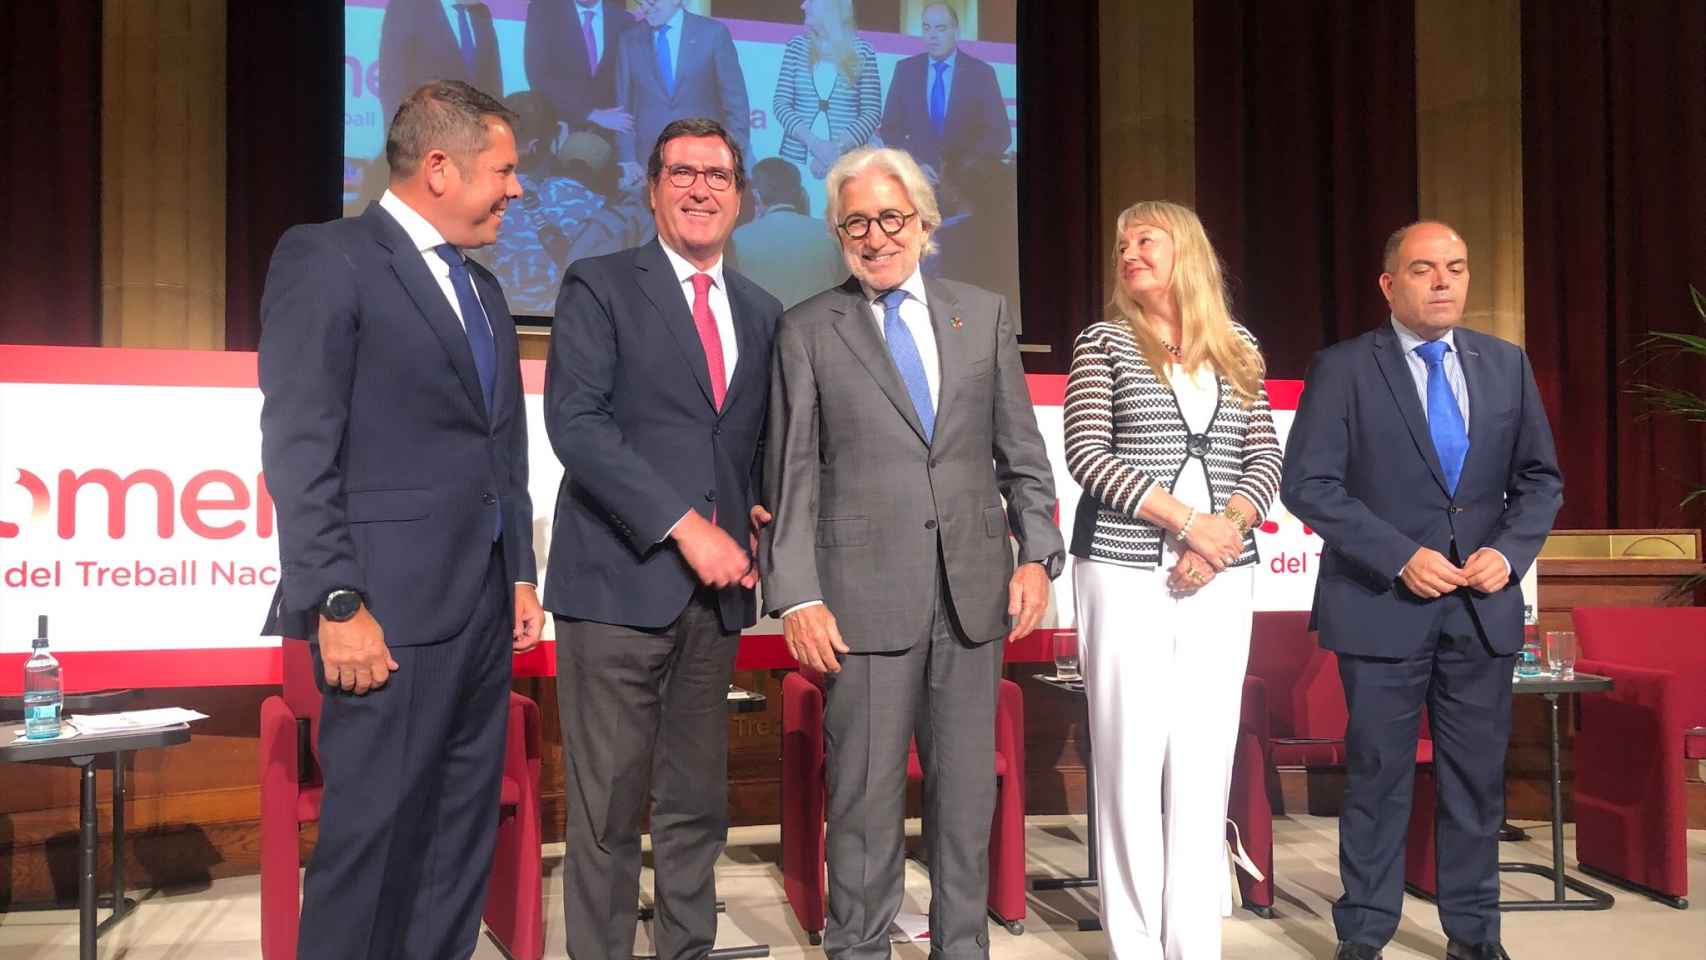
[205, 504]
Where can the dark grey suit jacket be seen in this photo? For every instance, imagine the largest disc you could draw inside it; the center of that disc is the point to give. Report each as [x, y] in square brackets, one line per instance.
[708, 83]
[862, 503]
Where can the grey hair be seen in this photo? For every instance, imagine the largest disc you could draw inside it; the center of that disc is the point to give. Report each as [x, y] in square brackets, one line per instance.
[446, 115]
[896, 163]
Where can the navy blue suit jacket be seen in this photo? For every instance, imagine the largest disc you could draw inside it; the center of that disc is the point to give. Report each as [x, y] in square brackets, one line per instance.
[629, 411]
[976, 124]
[555, 54]
[417, 44]
[378, 451]
[709, 82]
[1360, 469]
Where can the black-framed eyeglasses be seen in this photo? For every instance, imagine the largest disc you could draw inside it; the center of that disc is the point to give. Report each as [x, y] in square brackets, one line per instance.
[891, 222]
[717, 178]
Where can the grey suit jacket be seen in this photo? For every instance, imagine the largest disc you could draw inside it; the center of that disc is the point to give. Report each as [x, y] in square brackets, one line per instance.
[862, 504]
[708, 83]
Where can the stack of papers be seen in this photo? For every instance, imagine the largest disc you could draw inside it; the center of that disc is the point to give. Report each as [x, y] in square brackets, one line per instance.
[130, 721]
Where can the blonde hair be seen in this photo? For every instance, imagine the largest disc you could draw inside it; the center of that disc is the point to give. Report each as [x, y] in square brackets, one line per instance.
[1198, 289]
[838, 38]
[896, 163]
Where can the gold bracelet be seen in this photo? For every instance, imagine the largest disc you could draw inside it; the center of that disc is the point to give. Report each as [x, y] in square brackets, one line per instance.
[1238, 519]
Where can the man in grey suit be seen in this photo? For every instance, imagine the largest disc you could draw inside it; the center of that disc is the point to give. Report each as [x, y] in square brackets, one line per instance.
[676, 64]
[899, 420]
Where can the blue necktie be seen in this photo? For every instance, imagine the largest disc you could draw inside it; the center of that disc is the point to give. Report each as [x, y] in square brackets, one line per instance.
[1445, 419]
[465, 37]
[665, 70]
[904, 350]
[474, 321]
[939, 98]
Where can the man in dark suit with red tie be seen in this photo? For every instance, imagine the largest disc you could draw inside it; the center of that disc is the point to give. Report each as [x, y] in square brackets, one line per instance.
[655, 397]
[421, 40]
[394, 440]
[944, 106]
[570, 48]
[1422, 456]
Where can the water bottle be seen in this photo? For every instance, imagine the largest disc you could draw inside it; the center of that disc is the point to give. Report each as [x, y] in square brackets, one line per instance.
[44, 694]
[1528, 661]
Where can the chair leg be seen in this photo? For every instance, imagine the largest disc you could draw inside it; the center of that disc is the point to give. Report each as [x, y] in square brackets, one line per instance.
[1014, 927]
[1669, 900]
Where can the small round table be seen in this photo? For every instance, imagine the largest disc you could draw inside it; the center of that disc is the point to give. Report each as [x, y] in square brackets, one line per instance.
[82, 751]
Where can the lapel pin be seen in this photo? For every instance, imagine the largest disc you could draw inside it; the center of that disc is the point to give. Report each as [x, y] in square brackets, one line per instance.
[957, 323]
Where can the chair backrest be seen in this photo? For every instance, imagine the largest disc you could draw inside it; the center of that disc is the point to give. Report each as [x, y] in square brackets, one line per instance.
[1672, 639]
[1305, 698]
[301, 693]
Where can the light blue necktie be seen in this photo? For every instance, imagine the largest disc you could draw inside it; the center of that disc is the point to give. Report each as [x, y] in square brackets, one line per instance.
[665, 69]
[939, 98]
[1445, 419]
[904, 350]
[465, 38]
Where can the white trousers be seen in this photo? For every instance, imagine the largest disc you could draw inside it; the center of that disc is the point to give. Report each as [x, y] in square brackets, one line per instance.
[1165, 679]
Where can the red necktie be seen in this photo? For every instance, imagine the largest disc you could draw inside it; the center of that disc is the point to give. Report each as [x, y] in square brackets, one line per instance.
[712, 341]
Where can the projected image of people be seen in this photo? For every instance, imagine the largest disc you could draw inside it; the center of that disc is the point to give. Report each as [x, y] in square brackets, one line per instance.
[797, 83]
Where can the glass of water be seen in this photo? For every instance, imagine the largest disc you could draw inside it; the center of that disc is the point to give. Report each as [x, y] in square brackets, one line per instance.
[1561, 651]
[1066, 655]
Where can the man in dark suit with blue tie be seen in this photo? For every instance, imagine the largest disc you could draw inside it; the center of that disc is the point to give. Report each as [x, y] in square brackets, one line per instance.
[394, 440]
[655, 397]
[421, 40]
[570, 48]
[674, 65]
[1422, 456]
[944, 106]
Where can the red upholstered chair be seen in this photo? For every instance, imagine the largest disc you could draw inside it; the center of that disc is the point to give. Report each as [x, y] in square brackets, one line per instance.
[290, 796]
[1630, 809]
[1248, 807]
[803, 801]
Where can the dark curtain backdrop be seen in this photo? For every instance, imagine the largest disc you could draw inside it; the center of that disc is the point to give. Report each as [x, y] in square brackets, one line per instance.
[1059, 186]
[1614, 209]
[1306, 160]
[50, 126]
[284, 140]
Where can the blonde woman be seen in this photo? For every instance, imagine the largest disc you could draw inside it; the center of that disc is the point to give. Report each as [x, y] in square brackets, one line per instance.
[1169, 433]
[828, 96]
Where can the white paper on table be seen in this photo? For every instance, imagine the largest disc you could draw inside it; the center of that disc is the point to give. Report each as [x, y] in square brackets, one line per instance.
[96, 724]
[910, 928]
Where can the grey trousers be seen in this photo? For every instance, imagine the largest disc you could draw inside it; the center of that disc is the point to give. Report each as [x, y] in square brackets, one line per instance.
[943, 690]
[644, 716]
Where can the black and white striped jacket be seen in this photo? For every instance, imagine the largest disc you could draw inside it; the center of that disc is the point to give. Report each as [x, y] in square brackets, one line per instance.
[853, 108]
[1125, 433]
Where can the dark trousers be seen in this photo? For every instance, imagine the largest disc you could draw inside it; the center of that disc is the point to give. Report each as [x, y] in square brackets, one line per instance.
[1467, 689]
[409, 817]
[943, 691]
[644, 715]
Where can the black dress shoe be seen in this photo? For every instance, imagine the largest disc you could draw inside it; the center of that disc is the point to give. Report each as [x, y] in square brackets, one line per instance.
[1491, 950]
[1355, 951]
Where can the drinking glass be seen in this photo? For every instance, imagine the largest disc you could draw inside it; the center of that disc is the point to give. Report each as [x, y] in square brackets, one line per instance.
[1561, 653]
[1066, 655]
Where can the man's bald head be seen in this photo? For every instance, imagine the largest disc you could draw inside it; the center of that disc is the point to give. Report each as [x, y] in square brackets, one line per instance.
[1426, 278]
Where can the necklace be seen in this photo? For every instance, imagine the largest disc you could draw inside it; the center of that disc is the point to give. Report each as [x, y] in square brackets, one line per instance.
[1178, 354]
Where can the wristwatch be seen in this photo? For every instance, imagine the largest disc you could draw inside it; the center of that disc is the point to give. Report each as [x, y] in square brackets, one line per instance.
[340, 605]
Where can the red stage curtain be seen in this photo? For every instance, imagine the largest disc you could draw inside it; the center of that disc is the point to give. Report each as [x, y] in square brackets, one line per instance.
[50, 124]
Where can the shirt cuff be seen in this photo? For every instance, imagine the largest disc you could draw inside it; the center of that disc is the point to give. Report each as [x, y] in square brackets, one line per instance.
[526, 583]
[671, 531]
[802, 606]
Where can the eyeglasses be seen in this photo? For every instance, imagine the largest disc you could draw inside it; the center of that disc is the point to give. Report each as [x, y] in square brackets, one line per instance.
[892, 222]
[717, 178]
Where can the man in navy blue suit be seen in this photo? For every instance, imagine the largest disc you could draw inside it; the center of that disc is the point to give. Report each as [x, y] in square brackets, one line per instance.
[673, 65]
[655, 398]
[944, 106]
[1422, 456]
[394, 441]
[570, 48]
[421, 40]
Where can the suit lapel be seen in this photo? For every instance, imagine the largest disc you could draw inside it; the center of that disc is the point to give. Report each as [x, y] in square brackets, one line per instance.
[657, 281]
[1389, 354]
[858, 329]
[504, 339]
[1471, 361]
[423, 289]
[687, 52]
[950, 347]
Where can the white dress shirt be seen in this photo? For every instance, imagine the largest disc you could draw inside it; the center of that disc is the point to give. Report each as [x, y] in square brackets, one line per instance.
[581, 9]
[915, 313]
[719, 297]
[947, 81]
[425, 237]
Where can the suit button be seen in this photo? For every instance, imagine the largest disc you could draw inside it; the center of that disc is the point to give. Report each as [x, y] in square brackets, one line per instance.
[488, 499]
[935, 462]
[710, 496]
[929, 524]
[717, 430]
[1456, 510]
